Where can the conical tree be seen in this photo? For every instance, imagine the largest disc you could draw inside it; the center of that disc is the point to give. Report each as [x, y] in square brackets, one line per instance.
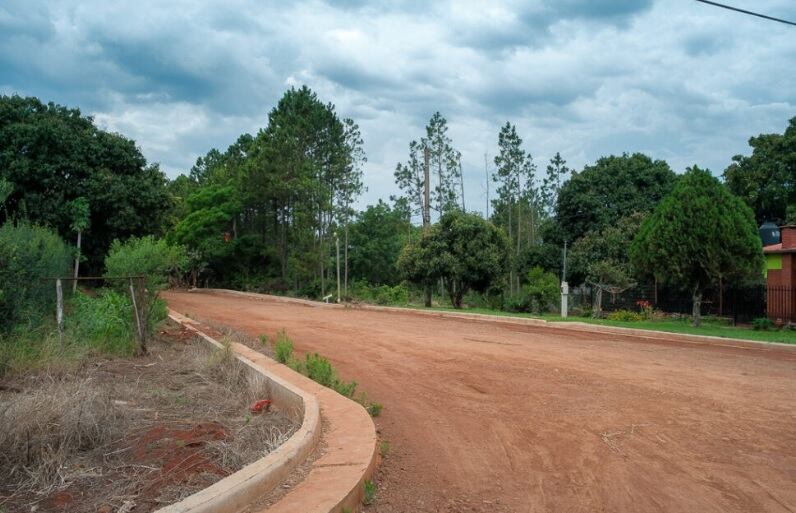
[699, 233]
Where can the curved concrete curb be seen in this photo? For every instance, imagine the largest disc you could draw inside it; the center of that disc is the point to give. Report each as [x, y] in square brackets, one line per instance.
[663, 336]
[335, 480]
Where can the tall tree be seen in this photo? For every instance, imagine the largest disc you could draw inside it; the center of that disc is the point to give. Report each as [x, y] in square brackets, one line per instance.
[444, 162]
[409, 178]
[766, 180]
[514, 174]
[557, 170]
[601, 194]
[351, 185]
[699, 234]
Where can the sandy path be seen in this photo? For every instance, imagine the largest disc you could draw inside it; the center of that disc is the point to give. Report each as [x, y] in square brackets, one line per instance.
[483, 416]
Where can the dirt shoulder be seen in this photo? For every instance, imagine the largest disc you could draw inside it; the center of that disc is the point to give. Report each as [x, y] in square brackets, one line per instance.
[484, 416]
[131, 434]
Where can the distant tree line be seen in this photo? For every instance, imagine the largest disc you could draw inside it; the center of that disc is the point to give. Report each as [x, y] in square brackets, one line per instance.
[270, 211]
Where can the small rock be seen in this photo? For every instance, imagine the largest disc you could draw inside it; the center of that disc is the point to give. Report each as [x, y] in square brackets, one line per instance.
[105, 508]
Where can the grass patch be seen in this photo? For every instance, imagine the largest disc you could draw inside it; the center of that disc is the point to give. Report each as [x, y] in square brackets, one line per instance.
[384, 448]
[370, 493]
[710, 326]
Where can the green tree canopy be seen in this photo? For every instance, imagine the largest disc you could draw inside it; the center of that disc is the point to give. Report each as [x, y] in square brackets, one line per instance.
[700, 233]
[376, 238]
[766, 180]
[463, 250]
[601, 194]
[53, 155]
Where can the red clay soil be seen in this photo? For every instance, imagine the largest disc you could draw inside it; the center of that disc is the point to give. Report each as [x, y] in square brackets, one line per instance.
[483, 416]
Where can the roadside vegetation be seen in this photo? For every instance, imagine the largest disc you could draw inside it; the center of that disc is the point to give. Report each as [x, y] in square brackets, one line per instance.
[320, 370]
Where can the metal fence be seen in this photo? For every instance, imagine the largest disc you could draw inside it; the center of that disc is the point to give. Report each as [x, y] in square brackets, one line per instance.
[738, 304]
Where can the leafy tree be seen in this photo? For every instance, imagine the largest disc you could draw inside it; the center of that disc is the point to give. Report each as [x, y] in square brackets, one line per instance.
[611, 243]
[463, 250]
[699, 234]
[377, 238]
[606, 275]
[541, 291]
[204, 230]
[53, 155]
[766, 180]
[601, 194]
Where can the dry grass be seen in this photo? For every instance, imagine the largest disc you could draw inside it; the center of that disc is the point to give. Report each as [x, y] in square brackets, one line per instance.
[79, 430]
[42, 427]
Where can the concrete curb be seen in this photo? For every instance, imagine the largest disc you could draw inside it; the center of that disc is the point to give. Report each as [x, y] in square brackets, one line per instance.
[665, 336]
[336, 479]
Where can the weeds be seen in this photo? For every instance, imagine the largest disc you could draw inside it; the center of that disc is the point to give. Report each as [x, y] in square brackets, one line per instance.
[320, 370]
[384, 448]
[370, 493]
[283, 348]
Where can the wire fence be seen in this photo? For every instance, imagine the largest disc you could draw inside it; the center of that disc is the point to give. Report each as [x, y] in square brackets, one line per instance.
[736, 304]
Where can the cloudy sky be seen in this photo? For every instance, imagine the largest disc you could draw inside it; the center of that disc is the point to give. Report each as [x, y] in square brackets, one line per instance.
[676, 79]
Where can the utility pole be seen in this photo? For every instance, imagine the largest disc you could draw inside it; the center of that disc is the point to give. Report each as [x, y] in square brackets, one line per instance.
[426, 190]
[337, 244]
[426, 214]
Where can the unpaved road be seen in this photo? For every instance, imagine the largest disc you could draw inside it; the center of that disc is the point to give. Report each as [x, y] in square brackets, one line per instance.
[485, 416]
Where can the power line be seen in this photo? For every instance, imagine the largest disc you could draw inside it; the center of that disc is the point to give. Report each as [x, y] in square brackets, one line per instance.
[747, 12]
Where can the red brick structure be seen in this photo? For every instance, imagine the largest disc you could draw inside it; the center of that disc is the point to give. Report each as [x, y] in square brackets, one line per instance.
[781, 277]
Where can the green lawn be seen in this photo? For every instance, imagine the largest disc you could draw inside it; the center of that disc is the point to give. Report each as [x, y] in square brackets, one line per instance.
[709, 326]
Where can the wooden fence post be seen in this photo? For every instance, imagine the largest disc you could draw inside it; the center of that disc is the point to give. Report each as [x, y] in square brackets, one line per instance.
[59, 309]
[137, 318]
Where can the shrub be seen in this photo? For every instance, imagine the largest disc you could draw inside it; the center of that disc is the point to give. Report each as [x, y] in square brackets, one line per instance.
[762, 324]
[28, 254]
[542, 290]
[625, 316]
[160, 261]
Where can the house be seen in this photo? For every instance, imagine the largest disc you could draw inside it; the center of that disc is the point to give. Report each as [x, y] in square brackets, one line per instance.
[780, 272]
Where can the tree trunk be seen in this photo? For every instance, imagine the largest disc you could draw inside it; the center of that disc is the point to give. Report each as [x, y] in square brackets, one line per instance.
[77, 262]
[696, 312]
[597, 309]
[427, 299]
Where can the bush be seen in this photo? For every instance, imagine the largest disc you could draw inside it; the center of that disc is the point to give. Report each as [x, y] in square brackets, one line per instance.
[283, 348]
[762, 324]
[380, 295]
[158, 260]
[103, 323]
[28, 254]
[542, 290]
[625, 316]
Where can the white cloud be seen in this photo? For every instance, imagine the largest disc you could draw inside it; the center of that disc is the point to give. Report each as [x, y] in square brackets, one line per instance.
[679, 80]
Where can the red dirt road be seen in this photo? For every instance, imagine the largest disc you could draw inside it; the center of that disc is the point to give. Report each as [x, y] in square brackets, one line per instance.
[485, 416]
